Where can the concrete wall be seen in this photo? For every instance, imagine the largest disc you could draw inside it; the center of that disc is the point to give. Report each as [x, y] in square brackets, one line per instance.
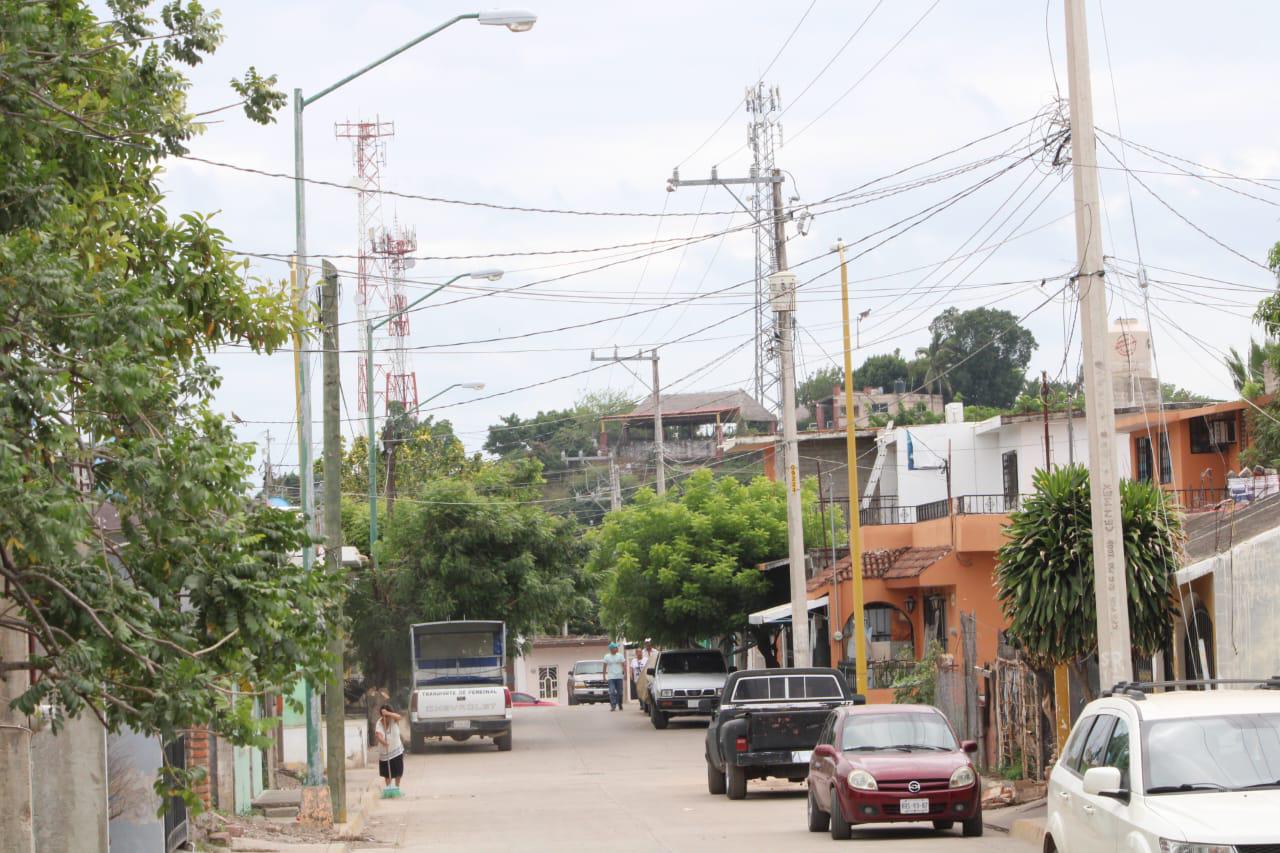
[69, 785]
[1245, 605]
[135, 758]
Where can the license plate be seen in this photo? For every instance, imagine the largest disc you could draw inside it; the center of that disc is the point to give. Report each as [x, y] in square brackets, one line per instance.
[461, 724]
[801, 757]
[913, 806]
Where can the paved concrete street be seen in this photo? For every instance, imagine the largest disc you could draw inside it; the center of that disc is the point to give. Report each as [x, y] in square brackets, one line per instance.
[583, 778]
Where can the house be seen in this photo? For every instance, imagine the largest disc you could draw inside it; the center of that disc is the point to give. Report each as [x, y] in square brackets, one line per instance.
[543, 670]
[830, 413]
[694, 425]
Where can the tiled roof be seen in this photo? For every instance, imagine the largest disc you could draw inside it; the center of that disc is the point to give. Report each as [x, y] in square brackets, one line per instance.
[705, 402]
[893, 564]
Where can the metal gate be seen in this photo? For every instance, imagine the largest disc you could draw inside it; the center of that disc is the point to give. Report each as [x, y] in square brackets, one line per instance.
[175, 817]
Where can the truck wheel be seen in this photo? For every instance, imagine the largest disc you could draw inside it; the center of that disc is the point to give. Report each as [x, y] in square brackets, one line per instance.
[572, 701]
[819, 821]
[840, 828]
[715, 779]
[460, 737]
[972, 828]
[735, 781]
[658, 718]
[417, 744]
[503, 742]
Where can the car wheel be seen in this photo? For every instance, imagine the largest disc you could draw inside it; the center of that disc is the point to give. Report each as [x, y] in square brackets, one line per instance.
[972, 828]
[943, 825]
[819, 821]
[840, 828]
[1049, 845]
[658, 718]
[735, 781]
[715, 779]
[503, 742]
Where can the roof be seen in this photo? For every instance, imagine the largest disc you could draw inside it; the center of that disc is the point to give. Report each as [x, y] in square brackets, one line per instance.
[554, 641]
[896, 564]
[705, 404]
[1198, 703]
[1170, 414]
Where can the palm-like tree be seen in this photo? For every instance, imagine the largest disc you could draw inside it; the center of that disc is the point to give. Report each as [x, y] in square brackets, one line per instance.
[1244, 372]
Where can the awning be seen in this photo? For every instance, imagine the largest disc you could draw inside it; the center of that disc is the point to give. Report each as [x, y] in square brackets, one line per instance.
[781, 615]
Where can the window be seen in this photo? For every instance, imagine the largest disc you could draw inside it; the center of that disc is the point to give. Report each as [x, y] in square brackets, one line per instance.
[886, 731]
[1095, 748]
[1145, 464]
[1009, 470]
[879, 408]
[1211, 436]
[1075, 745]
[1237, 751]
[824, 736]
[693, 662]
[777, 688]
[1117, 754]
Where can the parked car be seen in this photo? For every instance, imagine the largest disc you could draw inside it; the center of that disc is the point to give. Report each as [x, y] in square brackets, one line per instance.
[684, 683]
[768, 724]
[1187, 771]
[587, 683]
[889, 764]
[528, 700]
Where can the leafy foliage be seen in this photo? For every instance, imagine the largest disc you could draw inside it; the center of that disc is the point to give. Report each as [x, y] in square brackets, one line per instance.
[994, 376]
[819, 385]
[1045, 575]
[881, 371]
[683, 566]
[1173, 394]
[110, 309]
[469, 547]
[549, 435]
[920, 686]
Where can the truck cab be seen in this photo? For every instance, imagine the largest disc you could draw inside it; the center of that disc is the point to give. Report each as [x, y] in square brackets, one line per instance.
[459, 683]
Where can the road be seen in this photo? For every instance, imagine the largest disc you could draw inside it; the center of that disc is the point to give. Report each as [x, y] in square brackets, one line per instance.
[583, 778]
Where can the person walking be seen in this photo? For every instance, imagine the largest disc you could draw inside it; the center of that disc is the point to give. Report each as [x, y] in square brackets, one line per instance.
[615, 666]
[390, 750]
[637, 667]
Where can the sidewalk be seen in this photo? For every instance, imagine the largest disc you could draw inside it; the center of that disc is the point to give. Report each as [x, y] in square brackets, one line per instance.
[1024, 822]
[266, 835]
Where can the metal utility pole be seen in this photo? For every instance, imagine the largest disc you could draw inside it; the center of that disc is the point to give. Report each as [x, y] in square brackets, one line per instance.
[764, 137]
[336, 753]
[782, 296]
[1110, 580]
[855, 492]
[652, 357]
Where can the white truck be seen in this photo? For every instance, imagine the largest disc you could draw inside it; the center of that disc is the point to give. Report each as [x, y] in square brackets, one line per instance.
[459, 683]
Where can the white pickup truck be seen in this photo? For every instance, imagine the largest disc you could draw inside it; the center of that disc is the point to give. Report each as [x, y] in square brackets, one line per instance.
[459, 683]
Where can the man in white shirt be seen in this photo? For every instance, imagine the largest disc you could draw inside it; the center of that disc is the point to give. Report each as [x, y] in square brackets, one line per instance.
[637, 667]
[390, 747]
[615, 666]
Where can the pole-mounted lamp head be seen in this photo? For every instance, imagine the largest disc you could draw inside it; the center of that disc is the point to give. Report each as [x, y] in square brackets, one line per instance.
[474, 386]
[491, 275]
[516, 20]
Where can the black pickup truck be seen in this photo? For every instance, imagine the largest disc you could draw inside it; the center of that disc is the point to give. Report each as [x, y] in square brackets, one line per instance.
[768, 723]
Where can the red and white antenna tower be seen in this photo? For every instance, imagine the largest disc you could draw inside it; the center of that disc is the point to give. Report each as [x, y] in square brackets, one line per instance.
[381, 261]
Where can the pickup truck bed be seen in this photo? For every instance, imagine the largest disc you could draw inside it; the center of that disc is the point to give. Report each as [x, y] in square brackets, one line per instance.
[768, 723]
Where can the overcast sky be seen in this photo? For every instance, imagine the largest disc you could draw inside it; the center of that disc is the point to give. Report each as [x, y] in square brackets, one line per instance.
[593, 107]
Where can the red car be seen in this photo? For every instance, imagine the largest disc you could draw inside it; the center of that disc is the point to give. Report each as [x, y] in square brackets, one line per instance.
[892, 764]
[528, 700]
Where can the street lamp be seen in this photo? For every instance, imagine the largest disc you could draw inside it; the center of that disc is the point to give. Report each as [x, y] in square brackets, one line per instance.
[516, 20]
[370, 328]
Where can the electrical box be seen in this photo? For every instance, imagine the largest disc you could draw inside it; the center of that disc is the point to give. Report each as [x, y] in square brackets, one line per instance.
[782, 291]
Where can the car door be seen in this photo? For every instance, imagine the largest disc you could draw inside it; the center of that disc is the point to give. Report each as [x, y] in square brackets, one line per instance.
[1093, 826]
[1064, 785]
[822, 764]
[1111, 819]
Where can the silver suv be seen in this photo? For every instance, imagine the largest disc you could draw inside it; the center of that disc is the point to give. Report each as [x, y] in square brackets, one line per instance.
[684, 683]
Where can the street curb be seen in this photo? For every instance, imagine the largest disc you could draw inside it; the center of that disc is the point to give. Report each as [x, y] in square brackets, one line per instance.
[360, 815]
[1028, 829]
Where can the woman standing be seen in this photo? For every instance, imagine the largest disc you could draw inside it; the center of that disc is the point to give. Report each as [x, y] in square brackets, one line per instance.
[390, 750]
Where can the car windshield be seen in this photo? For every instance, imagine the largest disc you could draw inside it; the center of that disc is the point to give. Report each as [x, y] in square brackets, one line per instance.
[870, 732]
[588, 667]
[1235, 752]
[710, 662]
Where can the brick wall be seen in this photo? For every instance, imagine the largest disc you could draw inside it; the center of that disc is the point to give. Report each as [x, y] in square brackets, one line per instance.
[198, 745]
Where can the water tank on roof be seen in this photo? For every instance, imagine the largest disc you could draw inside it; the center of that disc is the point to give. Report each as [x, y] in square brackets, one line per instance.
[899, 386]
[954, 413]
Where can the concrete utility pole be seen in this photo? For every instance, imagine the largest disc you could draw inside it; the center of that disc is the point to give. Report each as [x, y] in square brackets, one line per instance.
[615, 483]
[17, 823]
[652, 357]
[336, 752]
[1044, 405]
[1115, 662]
[782, 295]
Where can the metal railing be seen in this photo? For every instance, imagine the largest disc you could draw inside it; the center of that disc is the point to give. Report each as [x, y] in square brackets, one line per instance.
[881, 674]
[933, 510]
[987, 504]
[1199, 499]
[878, 515]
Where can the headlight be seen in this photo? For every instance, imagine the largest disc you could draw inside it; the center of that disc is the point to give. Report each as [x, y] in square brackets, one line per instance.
[962, 778]
[1170, 846]
[664, 693]
[861, 780]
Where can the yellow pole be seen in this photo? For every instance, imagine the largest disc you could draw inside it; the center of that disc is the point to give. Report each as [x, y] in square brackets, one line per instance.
[855, 522]
[1062, 704]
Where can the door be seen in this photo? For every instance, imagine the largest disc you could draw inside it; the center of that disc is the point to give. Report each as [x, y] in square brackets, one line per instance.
[935, 621]
[548, 687]
[1109, 819]
[1093, 826]
[822, 764]
[1064, 786]
[1009, 468]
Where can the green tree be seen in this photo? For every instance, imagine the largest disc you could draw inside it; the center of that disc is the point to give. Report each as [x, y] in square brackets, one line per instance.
[111, 309]
[683, 567]
[981, 354]
[881, 371]
[1173, 394]
[1045, 575]
[819, 385]
[475, 547]
[550, 435]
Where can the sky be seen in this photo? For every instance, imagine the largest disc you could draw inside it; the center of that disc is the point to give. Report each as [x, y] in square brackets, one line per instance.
[592, 109]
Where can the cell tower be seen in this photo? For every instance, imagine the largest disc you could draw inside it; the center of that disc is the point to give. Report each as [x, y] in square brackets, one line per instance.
[764, 136]
[382, 257]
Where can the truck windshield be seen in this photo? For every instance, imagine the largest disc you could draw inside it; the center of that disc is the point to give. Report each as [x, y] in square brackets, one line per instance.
[588, 667]
[699, 663]
[897, 731]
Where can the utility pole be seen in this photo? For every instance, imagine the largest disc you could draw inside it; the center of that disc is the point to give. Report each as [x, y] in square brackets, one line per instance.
[268, 474]
[336, 752]
[17, 825]
[1110, 581]
[782, 295]
[615, 483]
[855, 492]
[1044, 405]
[652, 357]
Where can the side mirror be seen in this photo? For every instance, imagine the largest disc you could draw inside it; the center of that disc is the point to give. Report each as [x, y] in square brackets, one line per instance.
[649, 671]
[857, 699]
[1104, 782]
[969, 746]
[824, 749]
[733, 669]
